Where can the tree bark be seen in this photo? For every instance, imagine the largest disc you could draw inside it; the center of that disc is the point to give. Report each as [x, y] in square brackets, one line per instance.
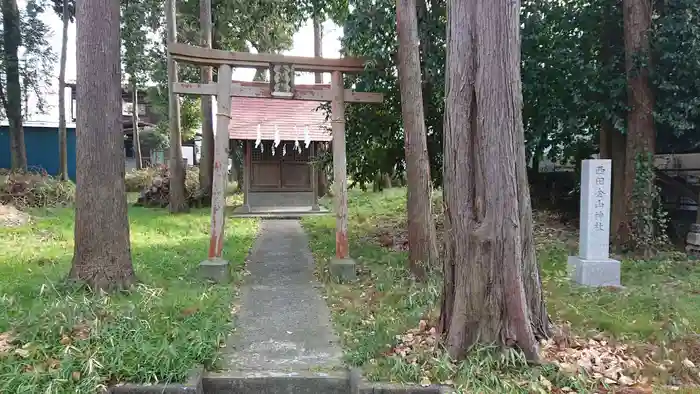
[492, 291]
[13, 104]
[206, 163]
[641, 134]
[321, 148]
[422, 240]
[318, 44]
[102, 256]
[135, 123]
[176, 195]
[612, 142]
[618, 142]
[62, 133]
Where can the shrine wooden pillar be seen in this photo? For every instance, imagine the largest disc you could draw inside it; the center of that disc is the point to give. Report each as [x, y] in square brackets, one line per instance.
[340, 178]
[314, 176]
[221, 139]
[247, 168]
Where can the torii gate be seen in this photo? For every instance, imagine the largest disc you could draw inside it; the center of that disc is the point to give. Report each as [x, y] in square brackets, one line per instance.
[282, 87]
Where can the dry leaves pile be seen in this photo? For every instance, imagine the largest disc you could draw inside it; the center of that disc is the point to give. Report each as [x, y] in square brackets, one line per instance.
[5, 343]
[608, 363]
[415, 341]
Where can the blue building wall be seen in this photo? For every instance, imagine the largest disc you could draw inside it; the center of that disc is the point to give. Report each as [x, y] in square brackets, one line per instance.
[42, 149]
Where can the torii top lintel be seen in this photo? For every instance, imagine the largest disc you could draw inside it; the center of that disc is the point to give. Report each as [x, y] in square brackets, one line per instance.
[214, 57]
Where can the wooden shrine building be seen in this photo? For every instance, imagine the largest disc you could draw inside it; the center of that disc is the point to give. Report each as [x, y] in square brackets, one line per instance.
[280, 140]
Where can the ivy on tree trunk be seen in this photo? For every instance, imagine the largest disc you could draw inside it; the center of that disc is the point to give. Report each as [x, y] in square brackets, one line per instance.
[641, 133]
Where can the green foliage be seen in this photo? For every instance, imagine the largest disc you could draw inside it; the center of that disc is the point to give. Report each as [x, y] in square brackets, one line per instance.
[58, 8]
[573, 79]
[135, 15]
[154, 139]
[572, 75]
[36, 60]
[374, 131]
[676, 75]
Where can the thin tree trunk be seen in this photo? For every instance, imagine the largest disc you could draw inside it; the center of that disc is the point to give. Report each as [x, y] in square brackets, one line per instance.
[321, 148]
[135, 122]
[422, 240]
[492, 287]
[641, 134]
[318, 44]
[13, 105]
[206, 163]
[260, 74]
[102, 256]
[176, 196]
[62, 133]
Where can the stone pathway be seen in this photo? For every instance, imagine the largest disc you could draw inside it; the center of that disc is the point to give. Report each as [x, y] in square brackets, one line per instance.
[283, 325]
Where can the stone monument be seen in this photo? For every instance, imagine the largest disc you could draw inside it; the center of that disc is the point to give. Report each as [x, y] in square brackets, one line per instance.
[593, 266]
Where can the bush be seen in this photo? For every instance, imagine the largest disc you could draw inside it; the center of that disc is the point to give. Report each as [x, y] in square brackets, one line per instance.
[34, 189]
[155, 194]
[137, 180]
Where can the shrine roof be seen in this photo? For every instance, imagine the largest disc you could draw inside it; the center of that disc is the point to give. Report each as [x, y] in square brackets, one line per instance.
[290, 116]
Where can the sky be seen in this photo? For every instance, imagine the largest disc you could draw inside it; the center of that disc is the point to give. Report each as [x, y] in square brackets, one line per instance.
[303, 46]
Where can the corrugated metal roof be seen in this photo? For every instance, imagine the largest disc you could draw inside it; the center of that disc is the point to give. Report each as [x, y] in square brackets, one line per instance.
[290, 116]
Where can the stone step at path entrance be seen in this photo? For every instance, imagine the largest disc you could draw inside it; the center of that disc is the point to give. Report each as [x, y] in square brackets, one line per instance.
[284, 341]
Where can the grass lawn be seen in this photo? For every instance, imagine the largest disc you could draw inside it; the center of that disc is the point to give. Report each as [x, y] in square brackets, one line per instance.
[58, 339]
[648, 329]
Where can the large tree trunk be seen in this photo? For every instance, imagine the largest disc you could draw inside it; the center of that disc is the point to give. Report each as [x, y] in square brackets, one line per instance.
[641, 135]
[206, 162]
[13, 102]
[62, 133]
[612, 142]
[135, 123]
[492, 286]
[102, 256]
[422, 242]
[176, 195]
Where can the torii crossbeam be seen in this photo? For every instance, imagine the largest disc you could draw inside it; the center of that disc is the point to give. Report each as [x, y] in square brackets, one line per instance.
[282, 87]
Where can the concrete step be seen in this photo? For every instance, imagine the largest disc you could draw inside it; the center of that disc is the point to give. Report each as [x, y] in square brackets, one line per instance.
[277, 383]
[335, 382]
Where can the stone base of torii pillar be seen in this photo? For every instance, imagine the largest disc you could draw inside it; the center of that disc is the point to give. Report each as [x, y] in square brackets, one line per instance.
[215, 270]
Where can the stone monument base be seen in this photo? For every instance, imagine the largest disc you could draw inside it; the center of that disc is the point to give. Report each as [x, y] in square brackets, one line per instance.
[594, 273]
[216, 270]
[343, 270]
